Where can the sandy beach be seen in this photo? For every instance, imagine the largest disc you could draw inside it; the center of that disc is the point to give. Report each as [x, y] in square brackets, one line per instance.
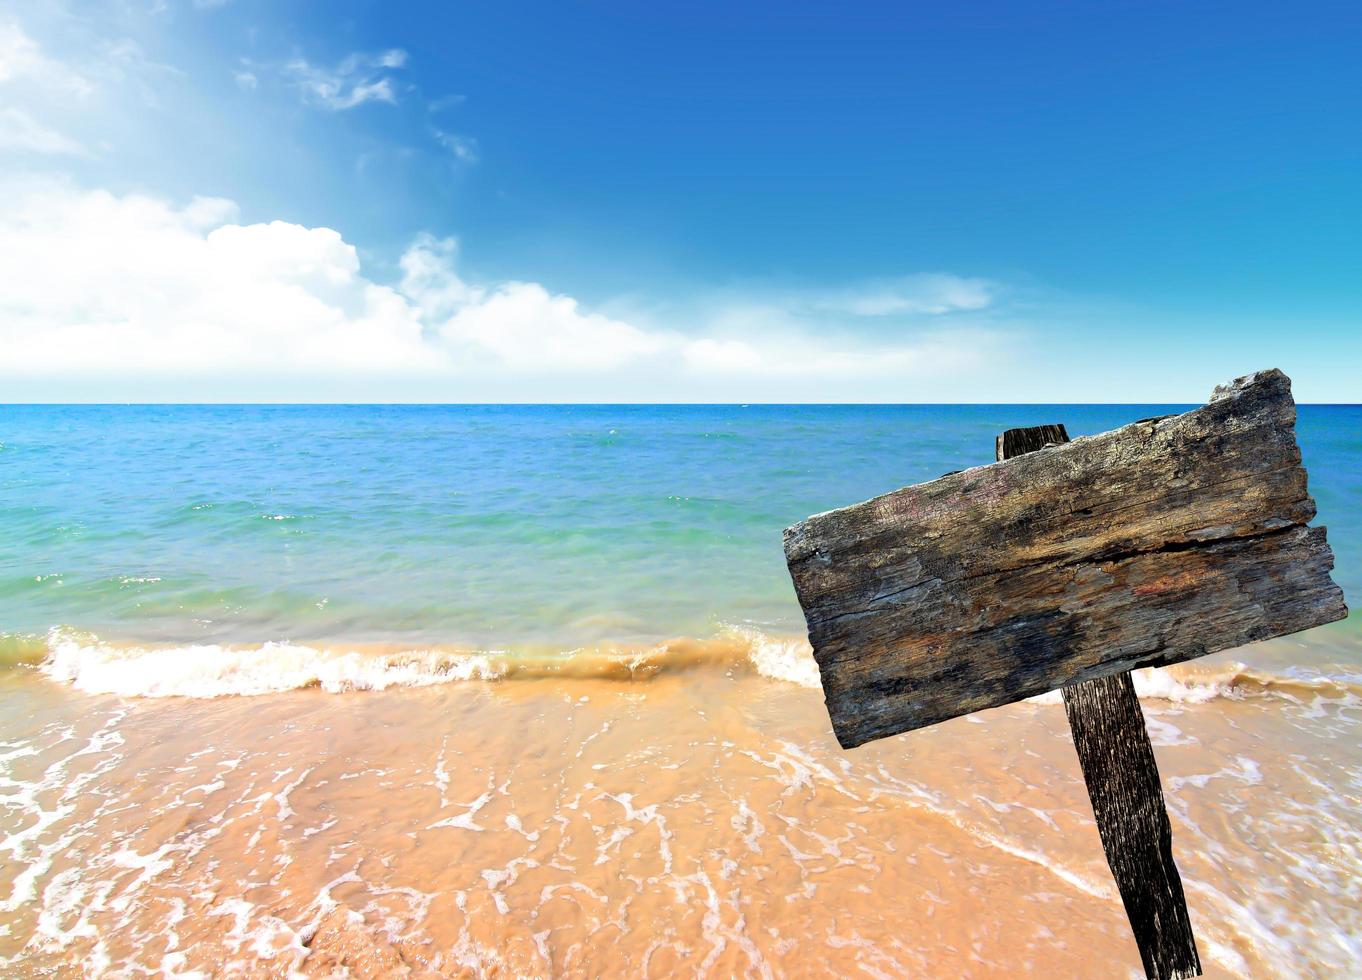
[699, 820]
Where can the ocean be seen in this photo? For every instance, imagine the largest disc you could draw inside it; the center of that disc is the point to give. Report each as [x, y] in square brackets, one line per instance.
[524, 691]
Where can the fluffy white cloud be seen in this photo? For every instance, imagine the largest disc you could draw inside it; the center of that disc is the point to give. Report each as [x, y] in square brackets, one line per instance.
[93, 283]
[430, 279]
[96, 285]
[519, 326]
[522, 326]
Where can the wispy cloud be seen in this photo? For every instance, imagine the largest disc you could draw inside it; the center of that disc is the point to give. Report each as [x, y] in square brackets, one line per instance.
[928, 293]
[446, 102]
[22, 59]
[20, 131]
[46, 85]
[357, 79]
[35, 90]
[463, 148]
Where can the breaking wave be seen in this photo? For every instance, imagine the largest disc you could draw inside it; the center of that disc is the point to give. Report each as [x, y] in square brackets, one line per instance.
[95, 666]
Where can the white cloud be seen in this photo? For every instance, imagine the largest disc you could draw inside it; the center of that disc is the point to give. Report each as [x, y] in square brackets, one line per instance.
[523, 327]
[519, 327]
[358, 79]
[20, 131]
[430, 279]
[96, 285]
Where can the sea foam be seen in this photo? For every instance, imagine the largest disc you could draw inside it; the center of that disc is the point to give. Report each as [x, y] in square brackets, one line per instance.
[209, 670]
[212, 670]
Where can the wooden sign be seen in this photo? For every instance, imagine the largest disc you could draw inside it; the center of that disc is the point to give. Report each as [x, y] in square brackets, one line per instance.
[1066, 565]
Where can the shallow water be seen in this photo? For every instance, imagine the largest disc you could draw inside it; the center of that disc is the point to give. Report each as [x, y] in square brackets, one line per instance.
[481, 526]
[505, 692]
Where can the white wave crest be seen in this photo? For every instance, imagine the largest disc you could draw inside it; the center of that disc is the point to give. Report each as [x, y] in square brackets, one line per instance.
[210, 670]
[95, 666]
[780, 659]
[1198, 684]
[1157, 684]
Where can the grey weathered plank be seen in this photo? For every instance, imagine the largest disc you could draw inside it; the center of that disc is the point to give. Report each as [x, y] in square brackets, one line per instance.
[1157, 542]
[1127, 800]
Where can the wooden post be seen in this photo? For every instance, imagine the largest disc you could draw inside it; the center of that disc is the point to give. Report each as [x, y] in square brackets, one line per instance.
[1127, 800]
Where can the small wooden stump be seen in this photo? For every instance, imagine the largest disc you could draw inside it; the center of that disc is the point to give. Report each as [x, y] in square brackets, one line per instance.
[1066, 565]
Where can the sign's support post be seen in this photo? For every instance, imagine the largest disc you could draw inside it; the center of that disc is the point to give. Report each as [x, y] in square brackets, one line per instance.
[1127, 800]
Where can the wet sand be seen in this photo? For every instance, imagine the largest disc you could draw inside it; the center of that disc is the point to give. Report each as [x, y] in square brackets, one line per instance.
[701, 822]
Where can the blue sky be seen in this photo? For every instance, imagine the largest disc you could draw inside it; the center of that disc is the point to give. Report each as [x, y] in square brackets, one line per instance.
[681, 202]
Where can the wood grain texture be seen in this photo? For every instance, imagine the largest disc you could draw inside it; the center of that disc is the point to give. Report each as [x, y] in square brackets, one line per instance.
[1127, 802]
[1154, 543]
[1127, 799]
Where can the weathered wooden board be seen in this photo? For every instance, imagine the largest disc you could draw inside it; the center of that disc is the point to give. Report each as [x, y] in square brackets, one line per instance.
[1154, 543]
[1122, 777]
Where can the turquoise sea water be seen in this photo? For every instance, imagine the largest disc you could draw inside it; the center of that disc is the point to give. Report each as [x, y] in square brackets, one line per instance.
[200, 605]
[489, 526]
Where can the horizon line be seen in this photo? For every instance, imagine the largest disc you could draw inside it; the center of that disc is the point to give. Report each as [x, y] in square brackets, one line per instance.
[638, 404]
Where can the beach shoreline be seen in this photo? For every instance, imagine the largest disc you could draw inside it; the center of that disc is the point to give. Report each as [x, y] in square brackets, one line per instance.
[700, 821]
